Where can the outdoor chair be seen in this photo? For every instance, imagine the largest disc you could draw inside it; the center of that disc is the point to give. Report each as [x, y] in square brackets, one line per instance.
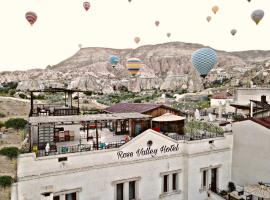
[61, 136]
[67, 137]
[71, 135]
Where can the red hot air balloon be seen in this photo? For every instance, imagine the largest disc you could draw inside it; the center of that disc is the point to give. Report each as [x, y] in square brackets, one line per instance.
[86, 5]
[31, 17]
[157, 23]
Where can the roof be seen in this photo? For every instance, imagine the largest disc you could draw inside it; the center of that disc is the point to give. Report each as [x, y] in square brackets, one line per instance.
[223, 95]
[135, 107]
[55, 90]
[80, 118]
[261, 121]
[168, 117]
[240, 106]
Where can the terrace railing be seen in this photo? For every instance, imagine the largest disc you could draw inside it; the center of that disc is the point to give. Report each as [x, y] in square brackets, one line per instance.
[196, 136]
[79, 148]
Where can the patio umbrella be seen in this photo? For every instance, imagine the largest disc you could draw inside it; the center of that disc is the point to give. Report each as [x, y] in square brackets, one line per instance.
[258, 190]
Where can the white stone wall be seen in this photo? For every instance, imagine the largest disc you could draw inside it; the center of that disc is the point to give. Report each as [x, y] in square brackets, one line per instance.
[244, 95]
[94, 173]
[217, 102]
[251, 153]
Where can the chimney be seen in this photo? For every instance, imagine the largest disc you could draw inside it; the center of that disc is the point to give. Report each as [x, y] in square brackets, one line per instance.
[263, 99]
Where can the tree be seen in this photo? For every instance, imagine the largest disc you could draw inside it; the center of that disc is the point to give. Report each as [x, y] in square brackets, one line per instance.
[1, 124]
[16, 123]
[10, 152]
[5, 181]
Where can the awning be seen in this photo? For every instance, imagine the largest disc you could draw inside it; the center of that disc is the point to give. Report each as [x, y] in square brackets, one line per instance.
[168, 117]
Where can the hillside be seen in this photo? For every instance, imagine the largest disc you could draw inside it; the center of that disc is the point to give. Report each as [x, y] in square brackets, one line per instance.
[167, 66]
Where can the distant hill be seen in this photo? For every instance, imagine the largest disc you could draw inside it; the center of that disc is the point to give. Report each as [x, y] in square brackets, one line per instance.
[167, 66]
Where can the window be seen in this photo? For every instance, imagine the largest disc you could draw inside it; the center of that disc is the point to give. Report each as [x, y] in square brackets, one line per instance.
[204, 178]
[170, 183]
[126, 189]
[132, 189]
[165, 183]
[174, 181]
[71, 196]
[56, 198]
[120, 191]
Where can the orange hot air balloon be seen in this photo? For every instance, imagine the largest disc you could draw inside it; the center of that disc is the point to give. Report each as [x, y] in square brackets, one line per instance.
[31, 17]
[157, 23]
[86, 5]
[215, 9]
[208, 18]
[137, 40]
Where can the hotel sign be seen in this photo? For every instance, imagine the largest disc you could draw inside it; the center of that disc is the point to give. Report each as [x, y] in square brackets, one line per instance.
[148, 151]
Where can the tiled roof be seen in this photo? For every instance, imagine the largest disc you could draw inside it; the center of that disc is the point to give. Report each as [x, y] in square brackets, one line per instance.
[262, 121]
[131, 107]
[222, 95]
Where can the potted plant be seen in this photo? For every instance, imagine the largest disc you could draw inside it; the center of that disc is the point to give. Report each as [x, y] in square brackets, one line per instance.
[231, 187]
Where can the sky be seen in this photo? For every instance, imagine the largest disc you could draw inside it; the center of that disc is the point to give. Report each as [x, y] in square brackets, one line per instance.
[64, 24]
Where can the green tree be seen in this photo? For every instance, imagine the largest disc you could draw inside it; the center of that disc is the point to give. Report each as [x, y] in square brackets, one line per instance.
[10, 152]
[5, 181]
[16, 123]
[1, 124]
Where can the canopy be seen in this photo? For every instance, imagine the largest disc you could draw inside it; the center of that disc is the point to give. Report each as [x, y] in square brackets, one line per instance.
[258, 190]
[168, 117]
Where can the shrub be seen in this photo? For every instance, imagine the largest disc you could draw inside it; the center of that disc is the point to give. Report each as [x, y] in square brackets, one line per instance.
[10, 152]
[12, 92]
[16, 123]
[231, 187]
[2, 115]
[22, 96]
[1, 124]
[5, 181]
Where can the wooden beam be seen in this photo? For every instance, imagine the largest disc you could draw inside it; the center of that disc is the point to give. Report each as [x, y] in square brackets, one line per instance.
[87, 131]
[32, 103]
[96, 134]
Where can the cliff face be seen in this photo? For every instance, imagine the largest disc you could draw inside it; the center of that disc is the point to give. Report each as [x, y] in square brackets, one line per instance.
[167, 66]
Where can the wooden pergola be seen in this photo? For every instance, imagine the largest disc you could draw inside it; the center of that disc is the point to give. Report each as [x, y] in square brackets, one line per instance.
[85, 120]
[72, 110]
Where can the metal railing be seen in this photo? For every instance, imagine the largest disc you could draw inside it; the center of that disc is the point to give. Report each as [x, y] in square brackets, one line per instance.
[196, 136]
[79, 148]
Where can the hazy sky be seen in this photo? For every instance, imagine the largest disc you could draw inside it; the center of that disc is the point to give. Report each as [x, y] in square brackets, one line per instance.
[63, 24]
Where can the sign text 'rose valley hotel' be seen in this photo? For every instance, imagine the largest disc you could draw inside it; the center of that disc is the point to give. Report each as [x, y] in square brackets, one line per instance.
[148, 151]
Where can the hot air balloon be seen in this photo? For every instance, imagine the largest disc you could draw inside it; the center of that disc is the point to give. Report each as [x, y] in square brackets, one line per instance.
[233, 31]
[204, 60]
[129, 1]
[80, 46]
[215, 9]
[169, 35]
[257, 16]
[134, 65]
[249, 0]
[208, 18]
[137, 40]
[31, 17]
[86, 5]
[114, 60]
[157, 23]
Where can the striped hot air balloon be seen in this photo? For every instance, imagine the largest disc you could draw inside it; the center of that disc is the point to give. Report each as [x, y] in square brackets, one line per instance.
[31, 17]
[204, 60]
[134, 65]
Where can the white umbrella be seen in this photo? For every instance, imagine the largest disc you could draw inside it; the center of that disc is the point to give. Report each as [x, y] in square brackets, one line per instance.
[258, 190]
